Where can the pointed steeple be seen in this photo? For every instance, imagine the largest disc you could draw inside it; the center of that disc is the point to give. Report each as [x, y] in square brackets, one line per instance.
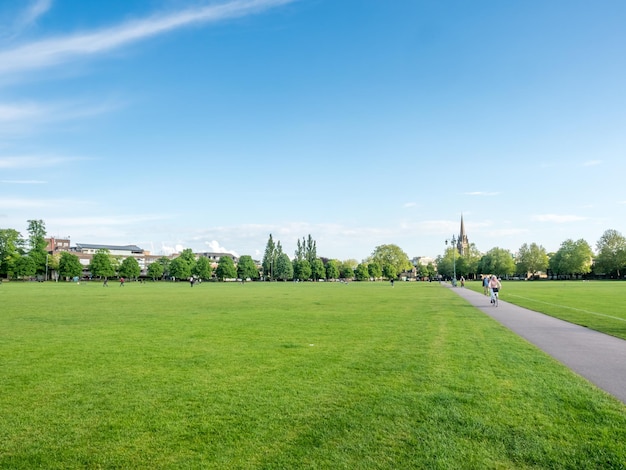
[462, 243]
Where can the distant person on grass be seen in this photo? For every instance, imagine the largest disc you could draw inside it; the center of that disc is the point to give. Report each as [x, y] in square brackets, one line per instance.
[486, 285]
[121, 282]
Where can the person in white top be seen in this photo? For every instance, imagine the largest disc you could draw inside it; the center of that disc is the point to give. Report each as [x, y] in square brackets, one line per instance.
[494, 287]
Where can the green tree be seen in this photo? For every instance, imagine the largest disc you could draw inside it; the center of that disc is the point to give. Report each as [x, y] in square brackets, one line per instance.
[447, 264]
[332, 269]
[52, 265]
[471, 261]
[202, 269]
[346, 271]
[302, 270]
[11, 248]
[269, 258]
[389, 271]
[69, 265]
[611, 257]
[102, 264]
[225, 268]
[318, 271]
[310, 250]
[155, 270]
[361, 273]
[180, 268]
[531, 259]
[24, 267]
[299, 253]
[497, 261]
[572, 258]
[391, 258]
[375, 270]
[165, 262]
[284, 268]
[130, 268]
[246, 268]
[37, 244]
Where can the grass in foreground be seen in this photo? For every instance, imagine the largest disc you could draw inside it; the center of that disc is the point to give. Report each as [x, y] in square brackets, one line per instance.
[285, 376]
[598, 305]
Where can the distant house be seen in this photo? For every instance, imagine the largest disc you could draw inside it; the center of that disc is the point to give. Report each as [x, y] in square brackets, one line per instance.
[215, 257]
[115, 250]
[85, 252]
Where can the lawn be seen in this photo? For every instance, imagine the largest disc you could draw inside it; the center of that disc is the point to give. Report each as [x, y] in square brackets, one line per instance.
[599, 305]
[285, 375]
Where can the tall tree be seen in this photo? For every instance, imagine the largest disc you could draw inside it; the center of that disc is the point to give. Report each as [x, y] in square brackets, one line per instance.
[269, 258]
[284, 267]
[301, 270]
[310, 251]
[374, 270]
[225, 268]
[155, 270]
[246, 268]
[611, 257]
[69, 265]
[24, 267]
[180, 268]
[202, 268]
[102, 264]
[346, 271]
[531, 259]
[164, 261]
[361, 273]
[11, 248]
[572, 258]
[130, 268]
[332, 269]
[37, 244]
[392, 256]
[318, 271]
[498, 261]
[299, 254]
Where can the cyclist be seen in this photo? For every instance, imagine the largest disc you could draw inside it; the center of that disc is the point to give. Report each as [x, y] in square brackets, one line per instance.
[494, 287]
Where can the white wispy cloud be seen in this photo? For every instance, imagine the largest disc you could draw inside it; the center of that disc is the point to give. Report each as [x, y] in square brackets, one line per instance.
[481, 193]
[559, 219]
[33, 12]
[26, 18]
[22, 182]
[18, 112]
[592, 163]
[410, 204]
[31, 203]
[59, 50]
[25, 161]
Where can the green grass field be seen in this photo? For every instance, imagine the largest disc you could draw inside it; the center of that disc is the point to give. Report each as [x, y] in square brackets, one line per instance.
[285, 376]
[599, 305]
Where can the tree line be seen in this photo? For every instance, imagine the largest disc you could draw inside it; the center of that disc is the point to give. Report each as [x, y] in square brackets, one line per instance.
[27, 257]
[574, 258]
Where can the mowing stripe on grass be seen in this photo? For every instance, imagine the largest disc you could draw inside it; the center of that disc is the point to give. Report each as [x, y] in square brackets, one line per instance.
[566, 306]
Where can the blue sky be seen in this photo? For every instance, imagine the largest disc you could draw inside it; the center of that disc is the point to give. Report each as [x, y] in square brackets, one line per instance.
[175, 124]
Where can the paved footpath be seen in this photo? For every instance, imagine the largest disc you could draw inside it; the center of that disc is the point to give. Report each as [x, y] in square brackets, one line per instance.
[598, 357]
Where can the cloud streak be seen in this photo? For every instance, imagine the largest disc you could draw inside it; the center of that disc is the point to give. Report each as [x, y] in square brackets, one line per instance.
[33, 162]
[55, 51]
[559, 219]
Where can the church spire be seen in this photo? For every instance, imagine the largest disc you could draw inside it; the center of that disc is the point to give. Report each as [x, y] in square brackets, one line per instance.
[462, 243]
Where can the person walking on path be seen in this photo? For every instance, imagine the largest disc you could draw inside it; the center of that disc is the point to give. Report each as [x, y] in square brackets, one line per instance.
[486, 285]
[494, 287]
